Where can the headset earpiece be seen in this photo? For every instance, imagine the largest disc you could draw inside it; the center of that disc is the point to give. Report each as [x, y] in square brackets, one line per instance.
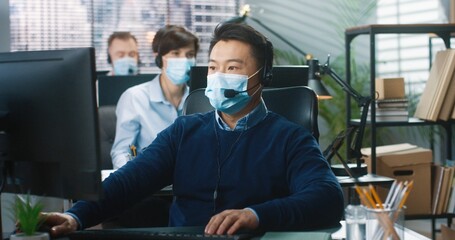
[267, 74]
[267, 77]
[109, 60]
[159, 60]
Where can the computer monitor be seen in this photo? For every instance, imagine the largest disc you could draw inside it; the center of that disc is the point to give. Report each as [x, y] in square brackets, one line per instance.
[49, 124]
[110, 88]
[283, 76]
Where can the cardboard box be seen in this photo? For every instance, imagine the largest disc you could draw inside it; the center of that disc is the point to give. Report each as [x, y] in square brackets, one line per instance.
[405, 162]
[448, 233]
[387, 88]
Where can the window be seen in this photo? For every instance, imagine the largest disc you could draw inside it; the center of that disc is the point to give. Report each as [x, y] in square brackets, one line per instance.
[407, 55]
[56, 24]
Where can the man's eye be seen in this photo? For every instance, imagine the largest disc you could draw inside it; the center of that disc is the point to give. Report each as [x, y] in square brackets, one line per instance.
[232, 68]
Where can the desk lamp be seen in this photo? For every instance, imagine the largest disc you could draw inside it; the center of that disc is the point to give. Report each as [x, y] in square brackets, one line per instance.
[353, 170]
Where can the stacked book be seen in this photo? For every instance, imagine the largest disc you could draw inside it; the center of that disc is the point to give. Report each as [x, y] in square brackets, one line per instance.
[438, 98]
[391, 110]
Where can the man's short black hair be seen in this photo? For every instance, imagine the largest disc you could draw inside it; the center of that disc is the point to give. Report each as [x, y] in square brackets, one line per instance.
[262, 48]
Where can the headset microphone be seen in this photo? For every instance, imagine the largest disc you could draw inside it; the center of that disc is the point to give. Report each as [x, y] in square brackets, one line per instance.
[230, 93]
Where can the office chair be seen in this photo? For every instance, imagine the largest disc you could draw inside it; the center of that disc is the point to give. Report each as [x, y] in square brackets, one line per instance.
[298, 104]
[157, 207]
[107, 121]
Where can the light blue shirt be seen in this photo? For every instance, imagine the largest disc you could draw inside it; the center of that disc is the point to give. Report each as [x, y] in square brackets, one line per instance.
[142, 112]
[254, 117]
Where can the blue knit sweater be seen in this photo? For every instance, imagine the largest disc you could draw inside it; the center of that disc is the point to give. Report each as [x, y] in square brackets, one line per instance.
[276, 168]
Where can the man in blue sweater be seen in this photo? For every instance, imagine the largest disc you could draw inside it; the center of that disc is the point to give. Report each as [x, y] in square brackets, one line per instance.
[239, 167]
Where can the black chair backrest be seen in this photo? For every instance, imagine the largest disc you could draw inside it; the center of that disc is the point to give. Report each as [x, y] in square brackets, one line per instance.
[107, 121]
[298, 104]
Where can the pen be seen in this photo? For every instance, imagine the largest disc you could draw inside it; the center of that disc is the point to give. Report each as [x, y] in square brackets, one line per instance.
[133, 150]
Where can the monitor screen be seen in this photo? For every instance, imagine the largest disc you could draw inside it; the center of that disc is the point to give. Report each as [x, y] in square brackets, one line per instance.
[110, 88]
[49, 124]
[283, 76]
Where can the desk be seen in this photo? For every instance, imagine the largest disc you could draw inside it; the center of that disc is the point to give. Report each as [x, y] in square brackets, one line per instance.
[336, 233]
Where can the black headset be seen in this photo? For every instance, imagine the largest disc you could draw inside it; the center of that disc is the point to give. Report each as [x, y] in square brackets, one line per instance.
[159, 60]
[159, 56]
[267, 74]
[109, 59]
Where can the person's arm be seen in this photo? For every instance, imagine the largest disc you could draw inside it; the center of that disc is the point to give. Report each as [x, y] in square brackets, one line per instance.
[149, 172]
[316, 199]
[127, 130]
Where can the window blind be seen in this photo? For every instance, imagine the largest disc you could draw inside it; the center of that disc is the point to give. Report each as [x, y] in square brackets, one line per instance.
[407, 55]
[56, 24]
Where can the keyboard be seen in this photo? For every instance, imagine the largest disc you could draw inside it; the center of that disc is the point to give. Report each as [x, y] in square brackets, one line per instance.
[151, 234]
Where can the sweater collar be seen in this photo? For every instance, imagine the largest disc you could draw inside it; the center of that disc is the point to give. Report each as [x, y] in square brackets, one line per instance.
[250, 120]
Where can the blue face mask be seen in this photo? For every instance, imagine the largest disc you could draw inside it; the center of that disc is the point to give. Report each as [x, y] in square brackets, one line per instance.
[178, 69]
[218, 82]
[125, 66]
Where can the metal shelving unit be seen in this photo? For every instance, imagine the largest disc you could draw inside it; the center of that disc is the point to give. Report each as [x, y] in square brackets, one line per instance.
[443, 31]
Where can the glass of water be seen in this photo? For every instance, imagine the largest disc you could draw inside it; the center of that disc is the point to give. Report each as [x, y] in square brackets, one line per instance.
[355, 216]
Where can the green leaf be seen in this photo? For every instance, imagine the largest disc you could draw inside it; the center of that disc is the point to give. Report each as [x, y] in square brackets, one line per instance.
[27, 214]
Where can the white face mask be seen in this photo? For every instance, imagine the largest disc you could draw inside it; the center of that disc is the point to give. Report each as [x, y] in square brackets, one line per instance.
[178, 69]
[218, 83]
[125, 66]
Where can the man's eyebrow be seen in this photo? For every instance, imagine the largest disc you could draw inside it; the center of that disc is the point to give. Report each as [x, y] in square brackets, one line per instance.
[229, 60]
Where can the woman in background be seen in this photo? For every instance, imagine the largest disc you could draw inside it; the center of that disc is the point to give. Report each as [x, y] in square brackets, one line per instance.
[146, 109]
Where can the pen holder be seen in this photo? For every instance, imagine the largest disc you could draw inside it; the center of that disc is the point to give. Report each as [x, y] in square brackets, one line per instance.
[384, 224]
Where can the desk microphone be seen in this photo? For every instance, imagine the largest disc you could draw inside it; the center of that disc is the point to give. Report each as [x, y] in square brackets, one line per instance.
[230, 93]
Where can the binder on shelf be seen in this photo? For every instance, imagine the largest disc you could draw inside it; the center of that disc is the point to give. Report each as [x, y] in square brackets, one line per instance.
[451, 204]
[438, 173]
[449, 189]
[449, 101]
[437, 85]
[443, 180]
[446, 186]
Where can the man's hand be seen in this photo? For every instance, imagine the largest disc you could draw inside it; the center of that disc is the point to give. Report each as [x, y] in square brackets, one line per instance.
[59, 223]
[230, 221]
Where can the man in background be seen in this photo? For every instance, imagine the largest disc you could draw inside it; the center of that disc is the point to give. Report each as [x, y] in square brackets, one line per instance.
[123, 54]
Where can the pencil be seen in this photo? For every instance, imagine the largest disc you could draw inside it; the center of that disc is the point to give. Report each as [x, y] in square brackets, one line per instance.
[375, 196]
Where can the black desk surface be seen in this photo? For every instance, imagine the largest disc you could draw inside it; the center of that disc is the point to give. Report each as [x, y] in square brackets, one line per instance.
[258, 237]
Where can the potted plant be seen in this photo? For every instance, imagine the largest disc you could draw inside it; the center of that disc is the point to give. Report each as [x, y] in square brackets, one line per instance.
[28, 219]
